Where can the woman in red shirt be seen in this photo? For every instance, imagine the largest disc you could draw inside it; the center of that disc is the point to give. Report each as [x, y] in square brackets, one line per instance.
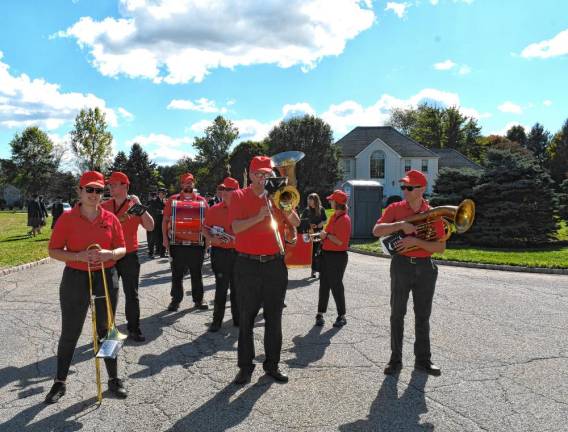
[335, 242]
[86, 224]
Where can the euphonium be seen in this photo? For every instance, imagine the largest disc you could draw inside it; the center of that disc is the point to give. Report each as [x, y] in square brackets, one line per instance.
[287, 197]
[456, 219]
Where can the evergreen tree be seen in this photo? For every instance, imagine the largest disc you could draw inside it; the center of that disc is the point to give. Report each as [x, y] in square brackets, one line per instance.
[563, 200]
[517, 134]
[120, 162]
[33, 162]
[558, 154]
[514, 200]
[452, 128]
[241, 156]
[319, 170]
[90, 140]
[537, 142]
[141, 172]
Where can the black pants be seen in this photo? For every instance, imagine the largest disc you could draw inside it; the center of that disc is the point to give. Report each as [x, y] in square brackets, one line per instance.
[155, 239]
[316, 257]
[222, 263]
[260, 284]
[128, 269]
[420, 278]
[74, 301]
[332, 268]
[184, 257]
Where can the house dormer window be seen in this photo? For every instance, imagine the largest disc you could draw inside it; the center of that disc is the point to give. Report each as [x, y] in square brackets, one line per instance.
[377, 165]
[424, 165]
[407, 165]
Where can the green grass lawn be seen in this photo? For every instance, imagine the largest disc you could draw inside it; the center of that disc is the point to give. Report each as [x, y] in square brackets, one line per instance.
[15, 245]
[548, 258]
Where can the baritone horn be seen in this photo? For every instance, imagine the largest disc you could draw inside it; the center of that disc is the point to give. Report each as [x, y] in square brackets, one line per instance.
[287, 197]
[112, 342]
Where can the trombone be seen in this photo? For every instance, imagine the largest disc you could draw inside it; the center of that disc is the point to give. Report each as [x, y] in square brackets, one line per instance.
[112, 342]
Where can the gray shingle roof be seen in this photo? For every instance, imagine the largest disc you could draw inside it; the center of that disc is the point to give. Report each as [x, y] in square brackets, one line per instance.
[360, 137]
[450, 158]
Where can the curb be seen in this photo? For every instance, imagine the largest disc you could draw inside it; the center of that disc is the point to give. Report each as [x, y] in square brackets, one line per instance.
[479, 265]
[7, 271]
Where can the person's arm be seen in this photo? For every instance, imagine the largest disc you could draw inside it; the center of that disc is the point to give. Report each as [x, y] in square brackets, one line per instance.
[384, 229]
[240, 225]
[292, 217]
[146, 220]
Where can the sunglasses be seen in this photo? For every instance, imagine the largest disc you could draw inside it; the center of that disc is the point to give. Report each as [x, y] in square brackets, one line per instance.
[90, 189]
[409, 188]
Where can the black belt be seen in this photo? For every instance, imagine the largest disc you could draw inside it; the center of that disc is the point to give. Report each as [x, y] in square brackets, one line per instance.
[260, 258]
[414, 260]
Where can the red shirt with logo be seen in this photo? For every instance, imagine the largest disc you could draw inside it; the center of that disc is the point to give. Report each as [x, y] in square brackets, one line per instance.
[258, 239]
[401, 210]
[218, 216]
[339, 226]
[75, 233]
[129, 222]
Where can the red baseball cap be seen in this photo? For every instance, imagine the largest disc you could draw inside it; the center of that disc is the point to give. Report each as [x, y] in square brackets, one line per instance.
[118, 177]
[92, 178]
[414, 178]
[261, 163]
[338, 196]
[230, 183]
[186, 178]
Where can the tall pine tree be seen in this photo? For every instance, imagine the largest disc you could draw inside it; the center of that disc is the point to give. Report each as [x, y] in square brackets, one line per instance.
[558, 154]
[142, 173]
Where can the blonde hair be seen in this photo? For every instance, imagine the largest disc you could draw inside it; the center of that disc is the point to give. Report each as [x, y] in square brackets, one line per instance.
[317, 202]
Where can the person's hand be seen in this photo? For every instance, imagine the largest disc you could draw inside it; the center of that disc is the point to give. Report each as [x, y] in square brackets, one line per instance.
[406, 243]
[98, 256]
[407, 228]
[135, 199]
[263, 212]
[82, 256]
[323, 234]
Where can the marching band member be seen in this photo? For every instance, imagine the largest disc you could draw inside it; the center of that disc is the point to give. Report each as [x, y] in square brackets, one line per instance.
[128, 268]
[411, 271]
[156, 209]
[86, 224]
[315, 217]
[184, 256]
[222, 253]
[260, 273]
[335, 242]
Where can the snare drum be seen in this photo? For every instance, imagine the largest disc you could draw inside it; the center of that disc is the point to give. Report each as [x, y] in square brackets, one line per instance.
[186, 222]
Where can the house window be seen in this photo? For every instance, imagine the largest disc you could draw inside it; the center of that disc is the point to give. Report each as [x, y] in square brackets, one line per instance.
[424, 165]
[347, 168]
[407, 165]
[377, 164]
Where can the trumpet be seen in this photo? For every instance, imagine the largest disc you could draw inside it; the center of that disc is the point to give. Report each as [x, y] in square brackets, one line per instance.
[219, 232]
[112, 342]
[312, 237]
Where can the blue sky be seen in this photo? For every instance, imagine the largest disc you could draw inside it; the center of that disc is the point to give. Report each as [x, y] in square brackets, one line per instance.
[163, 69]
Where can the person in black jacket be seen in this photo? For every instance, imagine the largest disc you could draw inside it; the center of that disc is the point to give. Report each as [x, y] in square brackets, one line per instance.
[313, 219]
[56, 211]
[156, 209]
[36, 215]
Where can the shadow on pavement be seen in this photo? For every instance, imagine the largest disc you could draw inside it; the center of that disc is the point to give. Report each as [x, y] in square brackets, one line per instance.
[310, 347]
[391, 413]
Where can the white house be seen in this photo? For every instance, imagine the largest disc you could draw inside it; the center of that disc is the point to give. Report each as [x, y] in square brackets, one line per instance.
[383, 154]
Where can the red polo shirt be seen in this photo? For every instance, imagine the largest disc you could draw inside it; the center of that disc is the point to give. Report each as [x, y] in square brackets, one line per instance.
[258, 239]
[75, 233]
[339, 226]
[401, 210]
[218, 215]
[129, 223]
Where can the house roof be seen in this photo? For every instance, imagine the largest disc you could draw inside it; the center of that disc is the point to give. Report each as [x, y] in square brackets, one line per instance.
[450, 158]
[360, 137]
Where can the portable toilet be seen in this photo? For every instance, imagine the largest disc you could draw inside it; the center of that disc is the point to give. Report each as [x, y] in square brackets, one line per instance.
[364, 206]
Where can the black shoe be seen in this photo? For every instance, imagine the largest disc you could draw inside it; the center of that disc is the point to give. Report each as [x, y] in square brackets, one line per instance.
[201, 306]
[319, 320]
[151, 256]
[162, 255]
[214, 327]
[173, 306]
[393, 368]
[57, 390]
[136, 336]
[243, 377]
[340, 322]
[116, 387]
[428, 367]
[278, 375]
[313, 275]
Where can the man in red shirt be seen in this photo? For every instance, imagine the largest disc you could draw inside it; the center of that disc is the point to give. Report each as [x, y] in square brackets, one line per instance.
[335, 238]
[128, 268]
[183, 255]
[222, 253]
[411, 271]
[261, 276]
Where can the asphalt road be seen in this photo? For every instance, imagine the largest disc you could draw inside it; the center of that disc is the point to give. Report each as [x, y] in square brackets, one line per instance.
[500, 338]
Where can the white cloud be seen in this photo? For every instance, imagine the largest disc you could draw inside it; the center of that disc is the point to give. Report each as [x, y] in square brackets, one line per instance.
[25, 102]
[399, 9]
[125, 114]
[510, 107]
[297, 110]
[464, 70]
[445, 65]
[202, 105]
[164, 149]
[547, 102]
[434, 2]
[183, 40]
[554, 47]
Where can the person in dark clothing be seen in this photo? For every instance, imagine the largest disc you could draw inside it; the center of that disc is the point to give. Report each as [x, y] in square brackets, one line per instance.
[56, 211]
[313, 219]
[156, 209]
[36, 215]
